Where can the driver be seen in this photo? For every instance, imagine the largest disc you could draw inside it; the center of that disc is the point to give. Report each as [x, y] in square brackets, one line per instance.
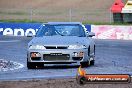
[49, 32]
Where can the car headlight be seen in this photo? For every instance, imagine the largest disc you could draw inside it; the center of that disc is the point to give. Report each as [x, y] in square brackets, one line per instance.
[37, 47]
[77, 47]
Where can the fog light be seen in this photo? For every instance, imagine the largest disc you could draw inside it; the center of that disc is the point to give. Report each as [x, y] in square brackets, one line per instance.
[35, 54]
[75, 54]
[80, 54]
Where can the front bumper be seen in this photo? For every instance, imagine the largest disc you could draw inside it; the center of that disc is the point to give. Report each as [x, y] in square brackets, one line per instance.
[71, 57]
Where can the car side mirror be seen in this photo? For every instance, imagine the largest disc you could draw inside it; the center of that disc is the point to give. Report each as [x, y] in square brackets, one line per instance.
[91, 34]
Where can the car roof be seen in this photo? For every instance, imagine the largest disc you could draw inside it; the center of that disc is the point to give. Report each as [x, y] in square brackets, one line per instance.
[52, 23]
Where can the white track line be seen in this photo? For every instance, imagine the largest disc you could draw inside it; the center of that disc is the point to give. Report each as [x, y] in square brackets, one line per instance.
[9, 41]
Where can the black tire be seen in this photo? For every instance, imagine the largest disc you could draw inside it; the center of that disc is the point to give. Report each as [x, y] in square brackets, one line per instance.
[33, 65]
[39, 65]
[92, 62]
[84, 64]
[94, 50]
[89, 51]
[30, 65]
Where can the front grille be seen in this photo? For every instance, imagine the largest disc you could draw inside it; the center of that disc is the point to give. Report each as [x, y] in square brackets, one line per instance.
[56, 47]
[56, 57]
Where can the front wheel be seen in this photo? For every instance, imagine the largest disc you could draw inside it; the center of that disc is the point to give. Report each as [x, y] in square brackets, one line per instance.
[85, 64]
[92, 62]
[32, 65]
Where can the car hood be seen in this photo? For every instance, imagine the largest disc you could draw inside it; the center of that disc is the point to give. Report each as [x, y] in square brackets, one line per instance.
[59, 40]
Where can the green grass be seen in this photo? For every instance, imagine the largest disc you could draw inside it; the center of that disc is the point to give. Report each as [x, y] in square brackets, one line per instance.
[85, 22]
[13, 13]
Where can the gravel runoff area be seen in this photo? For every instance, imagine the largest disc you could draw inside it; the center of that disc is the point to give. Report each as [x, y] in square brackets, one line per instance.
[57, 83]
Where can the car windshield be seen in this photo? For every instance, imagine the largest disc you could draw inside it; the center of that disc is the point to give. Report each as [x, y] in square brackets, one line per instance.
[61, 29]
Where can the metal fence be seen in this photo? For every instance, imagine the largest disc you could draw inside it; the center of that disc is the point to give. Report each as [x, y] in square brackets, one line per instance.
[45, 15]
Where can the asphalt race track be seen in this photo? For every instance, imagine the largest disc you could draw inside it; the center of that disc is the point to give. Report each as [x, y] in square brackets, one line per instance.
[112, 57]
